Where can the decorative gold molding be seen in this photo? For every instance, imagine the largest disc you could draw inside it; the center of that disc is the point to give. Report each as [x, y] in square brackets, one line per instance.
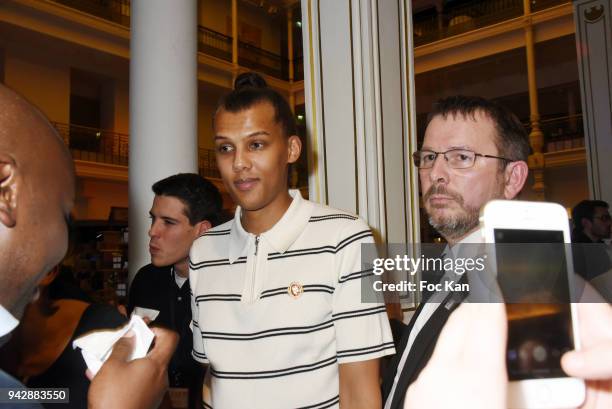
[98, 170]
[569, 157]
[594, 13]
[314, 138]
[493, 30]
[68, 24]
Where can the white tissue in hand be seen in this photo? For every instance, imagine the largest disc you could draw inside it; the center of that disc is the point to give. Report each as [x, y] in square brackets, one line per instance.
[146, 313]
[97, 346]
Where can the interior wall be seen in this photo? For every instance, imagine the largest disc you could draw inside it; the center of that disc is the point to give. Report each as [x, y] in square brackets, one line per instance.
[122, 106]
[44, 83]
[96, 197]
[205, 113]
[502, 75]
[269, 24]
[215, 14]
[490, 77]
[40, 68]
[208, 97]
[556, 61]
[108, 107]
[567, 185]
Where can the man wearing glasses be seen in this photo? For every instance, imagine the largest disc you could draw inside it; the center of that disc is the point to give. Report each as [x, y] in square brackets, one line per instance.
[592, 260]
[591, 222]
[474, 151]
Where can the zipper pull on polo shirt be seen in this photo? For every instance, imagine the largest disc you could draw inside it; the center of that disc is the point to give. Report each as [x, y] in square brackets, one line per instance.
[257, 256]
[256, 244]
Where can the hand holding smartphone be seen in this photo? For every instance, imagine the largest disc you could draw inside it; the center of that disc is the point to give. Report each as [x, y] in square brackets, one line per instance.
[542, 322]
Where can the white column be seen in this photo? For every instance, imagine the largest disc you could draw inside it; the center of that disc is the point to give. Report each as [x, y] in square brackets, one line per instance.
[593, 34]
[163, 107]
[358, 84]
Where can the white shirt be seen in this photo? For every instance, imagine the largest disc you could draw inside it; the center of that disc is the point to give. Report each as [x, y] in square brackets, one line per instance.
[276, 314]
[7, 322]
[476, 237]
[178, 279]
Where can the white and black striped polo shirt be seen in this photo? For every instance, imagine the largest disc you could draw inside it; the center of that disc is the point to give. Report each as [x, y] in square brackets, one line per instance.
[274, 315]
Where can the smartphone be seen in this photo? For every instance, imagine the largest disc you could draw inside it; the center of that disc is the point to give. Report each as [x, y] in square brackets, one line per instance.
[535, 275]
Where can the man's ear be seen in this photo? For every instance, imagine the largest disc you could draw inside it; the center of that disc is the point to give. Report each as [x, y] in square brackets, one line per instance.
[49, 277]
[202, 227]
[8, 190]
[515, 176]
[586, 224]
[295, 148]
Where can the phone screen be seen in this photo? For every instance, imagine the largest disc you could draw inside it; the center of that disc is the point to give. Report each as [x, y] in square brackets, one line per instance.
[539, 333]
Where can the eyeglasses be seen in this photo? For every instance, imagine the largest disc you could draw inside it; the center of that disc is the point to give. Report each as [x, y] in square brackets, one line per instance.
[456, 158]
[603, 217]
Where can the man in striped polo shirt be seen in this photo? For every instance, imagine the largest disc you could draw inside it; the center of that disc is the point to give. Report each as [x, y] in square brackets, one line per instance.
[277, 303]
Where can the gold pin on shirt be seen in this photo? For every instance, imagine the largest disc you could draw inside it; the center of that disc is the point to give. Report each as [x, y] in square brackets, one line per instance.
[295, 289]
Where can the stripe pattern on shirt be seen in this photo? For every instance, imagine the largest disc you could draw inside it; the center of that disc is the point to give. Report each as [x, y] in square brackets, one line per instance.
[263, 353]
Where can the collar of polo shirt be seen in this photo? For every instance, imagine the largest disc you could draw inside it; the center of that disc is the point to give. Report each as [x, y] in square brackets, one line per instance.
[280, 237]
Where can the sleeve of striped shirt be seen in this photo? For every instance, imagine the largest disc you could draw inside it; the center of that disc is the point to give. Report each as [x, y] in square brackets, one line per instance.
[198, 342]
[362, 326]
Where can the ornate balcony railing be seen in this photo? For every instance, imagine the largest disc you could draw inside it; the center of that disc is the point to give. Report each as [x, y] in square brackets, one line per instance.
[214, 43]
[562, 133]
[95, 145]
[262, 60]
[98, 145]
[210, 42]
[112, 10]
[429, 27]
[207, 164]
[537, 5]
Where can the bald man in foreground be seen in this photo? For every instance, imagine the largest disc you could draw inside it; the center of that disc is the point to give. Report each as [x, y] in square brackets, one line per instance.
[36, 198]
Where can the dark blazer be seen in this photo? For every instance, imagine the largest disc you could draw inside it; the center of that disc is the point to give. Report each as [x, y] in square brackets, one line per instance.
[421, 350]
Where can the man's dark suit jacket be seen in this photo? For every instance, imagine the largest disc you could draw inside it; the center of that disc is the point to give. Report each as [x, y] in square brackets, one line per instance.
[421, 350]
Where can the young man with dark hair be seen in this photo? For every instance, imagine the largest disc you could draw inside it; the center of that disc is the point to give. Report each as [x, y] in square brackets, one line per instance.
[277, 308]
[185, 206]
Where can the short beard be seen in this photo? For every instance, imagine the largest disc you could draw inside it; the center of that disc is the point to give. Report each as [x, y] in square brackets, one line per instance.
[453, 228]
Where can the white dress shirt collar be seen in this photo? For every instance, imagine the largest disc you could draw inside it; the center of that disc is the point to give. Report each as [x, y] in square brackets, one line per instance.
[7, 321]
